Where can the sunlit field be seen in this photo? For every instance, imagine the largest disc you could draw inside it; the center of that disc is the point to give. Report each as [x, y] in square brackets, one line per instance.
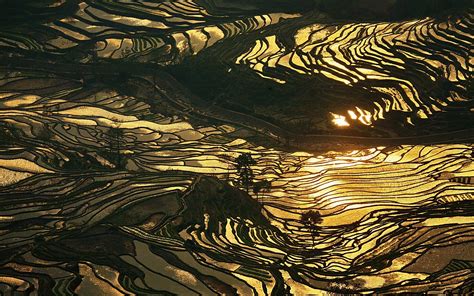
[223, 148]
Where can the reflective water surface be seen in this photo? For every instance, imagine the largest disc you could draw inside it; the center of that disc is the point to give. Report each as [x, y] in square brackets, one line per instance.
[122, 124]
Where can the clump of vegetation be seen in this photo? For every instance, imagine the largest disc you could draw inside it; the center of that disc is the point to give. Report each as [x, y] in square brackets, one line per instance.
[114, 138]
[311, 220]
[246, 175]
[5, 135]
[221, 201]
[261, 186]
[244, 170]
[9, 133]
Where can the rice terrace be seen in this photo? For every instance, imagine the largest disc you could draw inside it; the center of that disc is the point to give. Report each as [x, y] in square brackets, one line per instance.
[236, 147]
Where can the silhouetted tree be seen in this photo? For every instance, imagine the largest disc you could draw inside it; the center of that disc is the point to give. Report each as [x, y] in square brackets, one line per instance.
[262, 186]
[245, 172]
[311, 220]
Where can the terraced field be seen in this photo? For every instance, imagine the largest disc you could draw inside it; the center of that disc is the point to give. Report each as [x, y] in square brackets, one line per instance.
[400, 64]
[119, 176]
